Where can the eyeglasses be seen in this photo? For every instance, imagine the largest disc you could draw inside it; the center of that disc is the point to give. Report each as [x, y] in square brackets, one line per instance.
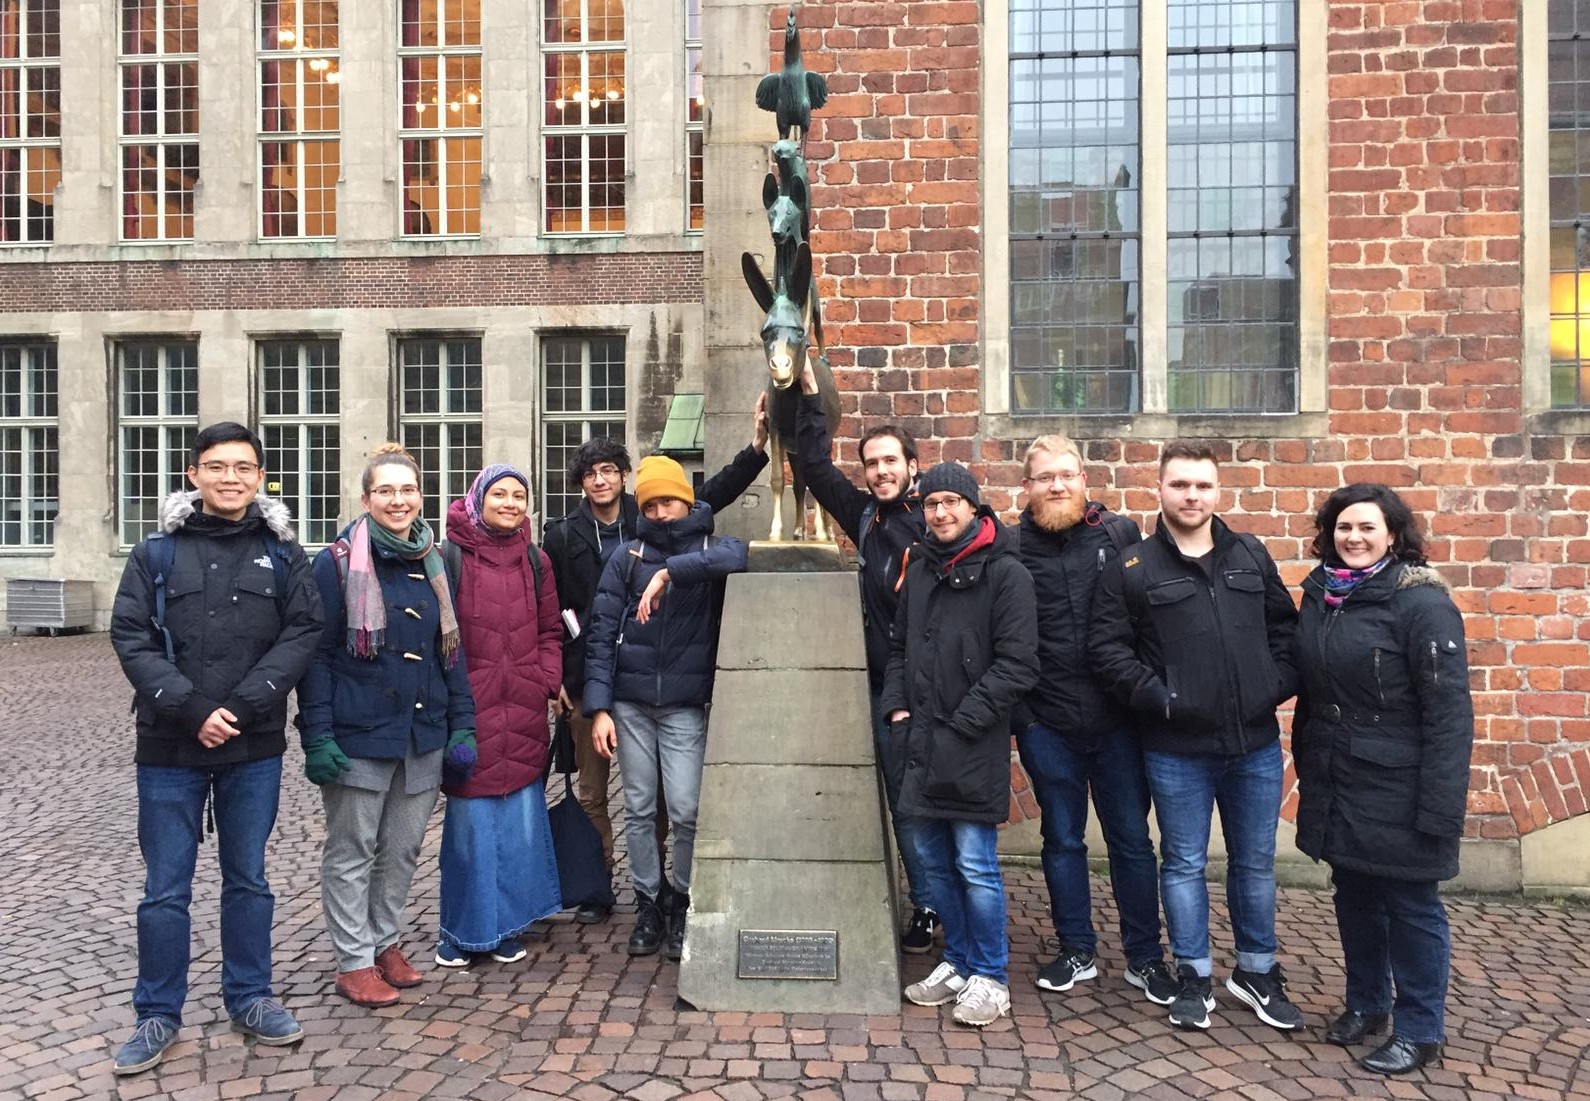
[386, 493]
[217, 469]
[607, 472]
[1044, 481]
[947, 503]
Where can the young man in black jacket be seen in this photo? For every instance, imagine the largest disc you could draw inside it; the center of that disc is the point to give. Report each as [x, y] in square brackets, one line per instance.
[1073, 737]
[579, 545]
[1193, 631]
[231, 588]
[883, 521]
[962, 652]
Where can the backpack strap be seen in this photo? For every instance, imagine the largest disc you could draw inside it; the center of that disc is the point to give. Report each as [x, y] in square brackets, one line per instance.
[453, 563]
[535, 565]
[341, 551]
[868, 514]
[161, 556]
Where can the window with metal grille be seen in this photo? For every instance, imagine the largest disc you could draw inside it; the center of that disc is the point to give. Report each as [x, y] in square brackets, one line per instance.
[157, 403]
[30, 470]
[582, 53]
[440, 112]
[300, 84]
[582, 397]
[299, 425]
[30, 119]
[695, 126]
[1568, 135]
[159, 77]
[439, 412]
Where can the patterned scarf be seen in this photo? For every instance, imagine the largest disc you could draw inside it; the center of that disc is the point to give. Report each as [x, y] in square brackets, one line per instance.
[365, 607]
[1340, 581]
[475, 499]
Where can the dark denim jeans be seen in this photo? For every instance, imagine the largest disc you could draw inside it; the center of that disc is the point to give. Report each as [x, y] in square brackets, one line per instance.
[960, 864]
[903, 824]
[1061, 776]
[1247, 789]
[170, 821]
[1394, 931]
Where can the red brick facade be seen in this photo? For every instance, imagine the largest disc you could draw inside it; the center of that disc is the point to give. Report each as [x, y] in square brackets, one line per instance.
[1424, 304]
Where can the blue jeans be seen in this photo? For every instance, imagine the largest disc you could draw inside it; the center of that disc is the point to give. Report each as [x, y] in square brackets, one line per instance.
[660, 749]
[903, 824]
[1247, 789]
[1394, 931]
[170, 821]
[1061, 776]
[960, 865]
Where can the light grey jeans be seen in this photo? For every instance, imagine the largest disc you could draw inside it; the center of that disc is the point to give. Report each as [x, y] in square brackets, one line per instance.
[666, 744]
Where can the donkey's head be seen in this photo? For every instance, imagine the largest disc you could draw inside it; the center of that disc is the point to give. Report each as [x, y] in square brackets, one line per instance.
[784, 328]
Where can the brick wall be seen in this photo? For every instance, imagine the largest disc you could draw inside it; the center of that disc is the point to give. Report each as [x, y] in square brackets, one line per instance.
[353, 283]
[1424, 334]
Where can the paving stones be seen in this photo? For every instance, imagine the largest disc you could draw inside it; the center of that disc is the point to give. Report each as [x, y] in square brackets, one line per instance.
[579, 1018]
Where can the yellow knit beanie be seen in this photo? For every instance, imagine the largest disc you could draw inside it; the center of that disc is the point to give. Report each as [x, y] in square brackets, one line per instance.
[660, 476]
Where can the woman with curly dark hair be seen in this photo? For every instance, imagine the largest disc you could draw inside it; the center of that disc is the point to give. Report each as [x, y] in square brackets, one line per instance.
[1381, 743]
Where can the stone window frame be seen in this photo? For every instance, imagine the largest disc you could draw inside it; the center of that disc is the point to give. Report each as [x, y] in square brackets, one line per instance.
[695, 121]
[165, 62]
[458, 431]
[315, 514]
[591, 421]
[303, 60]
[584, 130]
[1154, 420]
[175, 429]
[1535, 223]
[34, 424]
[454, 145]
[32, 151]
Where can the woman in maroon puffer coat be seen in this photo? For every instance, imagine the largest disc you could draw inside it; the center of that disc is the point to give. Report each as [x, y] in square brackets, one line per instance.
[499, 874]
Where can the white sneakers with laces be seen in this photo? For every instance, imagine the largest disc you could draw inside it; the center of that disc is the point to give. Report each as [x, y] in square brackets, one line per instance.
[939, 987]
[982, 1002]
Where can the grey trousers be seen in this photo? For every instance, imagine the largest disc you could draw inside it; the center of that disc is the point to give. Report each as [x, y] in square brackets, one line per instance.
[373, 841]
[666, 744]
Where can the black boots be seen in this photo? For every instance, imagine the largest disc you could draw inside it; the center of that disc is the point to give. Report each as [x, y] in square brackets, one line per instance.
[1399, 1056]
[674, 905]
[1350, 1028]
[648, 933]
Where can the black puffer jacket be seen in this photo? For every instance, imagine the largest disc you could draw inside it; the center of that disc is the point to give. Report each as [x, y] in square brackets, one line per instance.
[573, 544]
[1066, 567]
[1384, 727]
[1202, 660]
[670, 660]
[963, 650]
[236, 645]
[891, 529]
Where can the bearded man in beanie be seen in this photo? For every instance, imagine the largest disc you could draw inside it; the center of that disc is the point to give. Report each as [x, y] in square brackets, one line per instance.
[661, 596]
[963, 650]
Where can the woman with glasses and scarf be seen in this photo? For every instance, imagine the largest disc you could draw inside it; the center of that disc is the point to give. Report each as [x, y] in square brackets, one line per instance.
[1381, 743]
[385, 701]
[499, 874]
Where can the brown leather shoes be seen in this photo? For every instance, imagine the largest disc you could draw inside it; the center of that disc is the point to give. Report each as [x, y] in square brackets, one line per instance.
[366, 987]
[396, 969]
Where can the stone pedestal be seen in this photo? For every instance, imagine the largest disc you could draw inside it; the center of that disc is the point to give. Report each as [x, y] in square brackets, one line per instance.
[792, 871]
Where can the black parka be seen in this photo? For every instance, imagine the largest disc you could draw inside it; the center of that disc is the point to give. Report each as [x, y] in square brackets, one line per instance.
[1385, 726]
[963, 650]
[1066, 567]
[1202, 660]
[239, 644]
[573, 544]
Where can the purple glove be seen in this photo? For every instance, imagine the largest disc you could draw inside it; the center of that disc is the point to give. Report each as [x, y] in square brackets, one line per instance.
[459, 763]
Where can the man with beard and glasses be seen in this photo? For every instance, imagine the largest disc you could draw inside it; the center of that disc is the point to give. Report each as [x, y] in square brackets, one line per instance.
[883, 521]
[1194, 631]
[1073, 738]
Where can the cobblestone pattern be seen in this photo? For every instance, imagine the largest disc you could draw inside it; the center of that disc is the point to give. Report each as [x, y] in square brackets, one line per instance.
[578, 1018]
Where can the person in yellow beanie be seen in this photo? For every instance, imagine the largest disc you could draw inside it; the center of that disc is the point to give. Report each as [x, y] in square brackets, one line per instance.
[663, 595]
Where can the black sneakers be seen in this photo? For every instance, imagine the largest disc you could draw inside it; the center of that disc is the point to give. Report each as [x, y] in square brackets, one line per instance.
[1265, 992]
[1067, 969]
[919, 935]
[1194, 999]
[1154, 979]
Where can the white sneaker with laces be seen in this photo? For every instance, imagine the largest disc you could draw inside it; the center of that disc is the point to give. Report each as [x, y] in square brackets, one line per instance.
[941, 986]
[982, 1002]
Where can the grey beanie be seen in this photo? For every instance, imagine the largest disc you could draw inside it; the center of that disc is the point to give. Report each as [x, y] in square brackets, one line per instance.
[949, 478]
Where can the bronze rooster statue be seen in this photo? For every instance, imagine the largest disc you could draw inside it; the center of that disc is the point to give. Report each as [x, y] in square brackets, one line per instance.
[792, 92]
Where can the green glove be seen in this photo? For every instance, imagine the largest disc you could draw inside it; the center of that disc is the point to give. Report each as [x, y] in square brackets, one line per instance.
[324, 762]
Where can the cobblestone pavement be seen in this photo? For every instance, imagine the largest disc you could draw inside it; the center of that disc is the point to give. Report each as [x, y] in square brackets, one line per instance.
[579, 1018]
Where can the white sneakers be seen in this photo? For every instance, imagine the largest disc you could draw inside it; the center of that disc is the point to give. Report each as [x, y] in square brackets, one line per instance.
[979, 1001]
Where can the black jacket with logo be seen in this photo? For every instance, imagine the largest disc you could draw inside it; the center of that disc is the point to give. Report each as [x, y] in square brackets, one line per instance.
[1385, 726]
[1201, 659]
[573, 544]
[963, 650]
